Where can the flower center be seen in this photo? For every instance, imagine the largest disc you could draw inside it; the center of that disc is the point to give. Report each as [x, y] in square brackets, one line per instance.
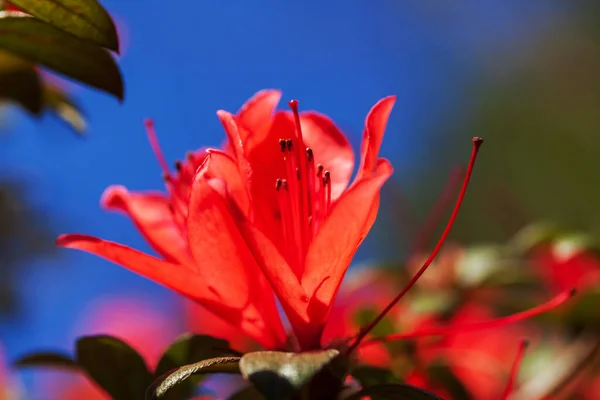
[303, 195]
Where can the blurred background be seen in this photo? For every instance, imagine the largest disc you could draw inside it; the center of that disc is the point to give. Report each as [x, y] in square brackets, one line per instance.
[523, 75]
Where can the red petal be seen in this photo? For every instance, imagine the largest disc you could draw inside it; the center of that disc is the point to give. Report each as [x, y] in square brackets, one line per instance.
[151, 213]
[280, 275]
[330, 147]
[236, 144]
[256, 114]
[168, 274]
[181, 280]
[349, 222]
[375, 124]
[220, 165]
[225, 262]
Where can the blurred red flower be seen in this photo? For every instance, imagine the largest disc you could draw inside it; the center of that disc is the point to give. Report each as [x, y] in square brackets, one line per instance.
[132, 320]
[564, 265]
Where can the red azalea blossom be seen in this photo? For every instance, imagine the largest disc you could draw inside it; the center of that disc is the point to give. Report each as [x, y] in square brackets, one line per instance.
[563, 265]
[480, 361]
[149, 333]
[276, 200]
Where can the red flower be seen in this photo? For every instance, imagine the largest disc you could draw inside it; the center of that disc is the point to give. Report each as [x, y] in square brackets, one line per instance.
[564, 265]
[278, 200]
[480, 360]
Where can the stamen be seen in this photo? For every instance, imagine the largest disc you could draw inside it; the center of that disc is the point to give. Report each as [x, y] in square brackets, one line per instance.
[284, 211]
[327, 186]
[364, 332]
[514, 370]
[553, 303]
[319, 170]
[302, 172]
[156, 146]
[312, 192]
[294, 203]
[293, 104]
[282, 145]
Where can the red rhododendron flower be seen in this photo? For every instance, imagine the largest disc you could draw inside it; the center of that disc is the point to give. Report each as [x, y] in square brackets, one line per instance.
[480, 361]
[276, 200]
[564, 265]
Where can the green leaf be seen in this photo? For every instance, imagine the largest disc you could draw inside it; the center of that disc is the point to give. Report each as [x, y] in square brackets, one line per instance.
[369, 376]
[186, 350]
[41, 43]
[443, 376]
[47, 359]
[113, 365]
[532, 236]
[86, 19]
[60, 103]
[164, 383]
[280, 375]
[20, 83]
[190, 348]
[398, 391]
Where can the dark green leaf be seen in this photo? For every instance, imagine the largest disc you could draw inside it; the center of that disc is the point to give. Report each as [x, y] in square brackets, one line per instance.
[369, 376]
[190, 348]
[20, 83]
[186, 350]
[86, 19]
[279, 375]
[397, 391]
[47, 359]
[442, 375]
[113, 365]
[64, 53]
[164, 383]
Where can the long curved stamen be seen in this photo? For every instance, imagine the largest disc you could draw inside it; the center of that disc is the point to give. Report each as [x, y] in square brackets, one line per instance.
[149, 124]
[477, 326]
[514, 370]
[477, 141]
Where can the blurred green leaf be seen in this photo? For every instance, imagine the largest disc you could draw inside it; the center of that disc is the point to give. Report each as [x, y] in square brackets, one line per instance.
[160, 387]
[368, 375]
[186, 350]
[191, 348]
[20, 83]
[64, 53]
[397, 391]
[280, 375]
[442, 375]
[114, 365]
[60, 103]
[25, 234]
[47, 359]
[86, 19]
[364, 316]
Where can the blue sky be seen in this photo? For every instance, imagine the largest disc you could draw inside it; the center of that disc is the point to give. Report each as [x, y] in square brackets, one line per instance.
[182, 64]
